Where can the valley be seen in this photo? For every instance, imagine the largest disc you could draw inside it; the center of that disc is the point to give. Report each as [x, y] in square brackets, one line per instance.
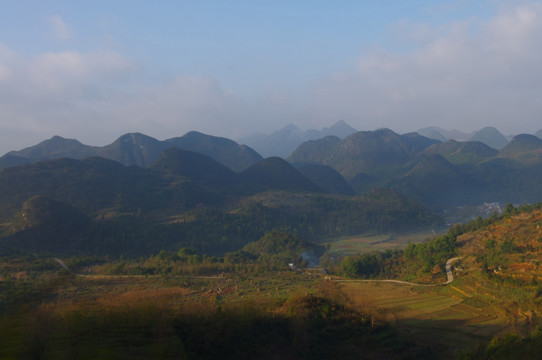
[340, 250]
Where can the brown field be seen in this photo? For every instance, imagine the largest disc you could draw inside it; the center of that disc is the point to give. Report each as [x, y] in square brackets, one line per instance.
[361, 244]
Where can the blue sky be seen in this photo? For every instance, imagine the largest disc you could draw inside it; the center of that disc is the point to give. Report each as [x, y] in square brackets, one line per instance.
[95, 70]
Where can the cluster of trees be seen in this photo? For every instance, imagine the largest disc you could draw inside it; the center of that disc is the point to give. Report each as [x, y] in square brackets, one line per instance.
[377, 264]
[274, 251]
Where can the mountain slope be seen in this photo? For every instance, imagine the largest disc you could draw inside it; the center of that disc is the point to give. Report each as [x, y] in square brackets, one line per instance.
[99, 206]
[275, 173]
[195, 166]
[326, 178]
[225, 151]
[468, 152]
[443, 135]
[524, 148]
[362, 152]
[95, 185]
[491, 137]
[131, 149]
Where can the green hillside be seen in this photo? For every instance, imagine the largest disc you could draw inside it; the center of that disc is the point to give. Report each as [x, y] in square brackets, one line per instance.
[459, 153]
[524, 148]
[275, 173]
[186, 199]
[326, 178]
[362, 152]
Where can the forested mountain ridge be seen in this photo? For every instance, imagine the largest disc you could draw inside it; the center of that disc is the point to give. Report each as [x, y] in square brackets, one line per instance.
[440, 175]
[364, 151]
[138, 149]
[185, 199]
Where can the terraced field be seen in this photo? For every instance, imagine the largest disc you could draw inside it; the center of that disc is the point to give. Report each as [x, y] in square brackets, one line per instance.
[437, 315]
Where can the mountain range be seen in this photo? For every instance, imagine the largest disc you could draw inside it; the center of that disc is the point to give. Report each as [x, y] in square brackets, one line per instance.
[488, 135]
[138, 149]
[282, 142]
[183, 199]
[441, 175]
[198, 172]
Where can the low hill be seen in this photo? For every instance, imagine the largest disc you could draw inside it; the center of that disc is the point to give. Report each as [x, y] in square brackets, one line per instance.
[284, 248]
[524, 148]
[323, 215]
[44, 223]
[40, 211]
[508, 248]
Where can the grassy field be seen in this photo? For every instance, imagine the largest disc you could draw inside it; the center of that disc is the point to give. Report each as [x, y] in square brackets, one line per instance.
[361, 244]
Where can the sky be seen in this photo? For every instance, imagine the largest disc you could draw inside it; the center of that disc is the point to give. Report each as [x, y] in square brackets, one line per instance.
[95, 70]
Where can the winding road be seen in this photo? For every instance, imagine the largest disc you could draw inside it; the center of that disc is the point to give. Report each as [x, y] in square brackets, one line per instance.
[449, 276]
[449, 273]
[61, 263]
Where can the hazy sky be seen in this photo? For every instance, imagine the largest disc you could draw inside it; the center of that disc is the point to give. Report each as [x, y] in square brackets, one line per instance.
[94, 70]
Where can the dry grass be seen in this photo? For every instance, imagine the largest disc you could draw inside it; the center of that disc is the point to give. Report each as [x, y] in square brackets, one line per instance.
[361, 244]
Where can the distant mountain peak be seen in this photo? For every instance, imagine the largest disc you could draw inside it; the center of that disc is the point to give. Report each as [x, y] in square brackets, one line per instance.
[340, 129]
[284, 141]
[491, 137]
[437, 133]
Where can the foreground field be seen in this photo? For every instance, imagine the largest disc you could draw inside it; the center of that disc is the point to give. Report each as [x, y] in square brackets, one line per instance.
[143, 316]
[288, 316]
[261, 301]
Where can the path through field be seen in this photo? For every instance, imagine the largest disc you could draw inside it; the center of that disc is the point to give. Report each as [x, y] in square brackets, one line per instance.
[449, 276]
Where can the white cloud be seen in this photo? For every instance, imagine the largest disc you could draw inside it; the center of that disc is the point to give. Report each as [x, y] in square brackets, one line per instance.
[474, 74]
[60, 29]
[68, 70]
